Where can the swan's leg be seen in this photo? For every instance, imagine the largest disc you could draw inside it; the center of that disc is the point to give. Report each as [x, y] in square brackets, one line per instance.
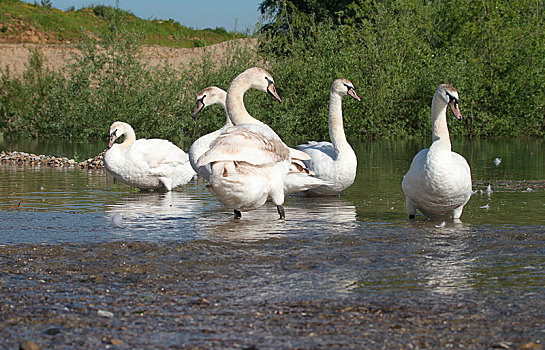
[281, 212]
[456, 213]
[238, 214]
[411, 210]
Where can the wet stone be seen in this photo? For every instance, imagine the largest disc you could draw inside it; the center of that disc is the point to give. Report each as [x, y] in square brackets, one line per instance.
[26, 159]
[28, 345]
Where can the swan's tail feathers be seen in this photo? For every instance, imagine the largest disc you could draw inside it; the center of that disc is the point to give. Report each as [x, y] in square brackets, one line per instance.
[224, 169]
[298, 182]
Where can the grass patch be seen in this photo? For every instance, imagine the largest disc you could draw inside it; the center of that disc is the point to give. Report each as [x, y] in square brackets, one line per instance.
[38, 22]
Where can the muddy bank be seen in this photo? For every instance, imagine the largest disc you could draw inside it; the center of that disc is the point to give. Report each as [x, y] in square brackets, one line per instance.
[15, 56]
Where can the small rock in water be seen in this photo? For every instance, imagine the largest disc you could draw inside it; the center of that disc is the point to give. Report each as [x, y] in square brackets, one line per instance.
[115, 341]
[28, 345]
[104, 313]
[532, 346]
[497, 161]
[529, 189]
[117, 220]
[443, 224]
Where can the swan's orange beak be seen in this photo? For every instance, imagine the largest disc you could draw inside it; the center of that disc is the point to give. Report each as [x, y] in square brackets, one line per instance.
[271, 89]
[352, 93]
[455, 109]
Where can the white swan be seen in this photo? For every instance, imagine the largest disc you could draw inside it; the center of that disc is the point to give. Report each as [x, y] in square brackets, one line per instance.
[299, 176]
[207, 97]
[146, 164]
[335, 161]
[249, 162]
[438, 182]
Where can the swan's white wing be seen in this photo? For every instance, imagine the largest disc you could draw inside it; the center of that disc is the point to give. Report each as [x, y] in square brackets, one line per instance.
[463, 171]
[322, 155]
[412, 181]
[319, 151]
[248, 143]
[157, 152]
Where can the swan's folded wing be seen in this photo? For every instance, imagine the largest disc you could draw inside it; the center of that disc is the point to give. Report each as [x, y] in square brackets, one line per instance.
[319, 152]
[298, 155]
[157, 152]
[246, 144]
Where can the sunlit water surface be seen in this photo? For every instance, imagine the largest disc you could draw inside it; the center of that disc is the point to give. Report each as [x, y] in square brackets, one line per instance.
[360, 243]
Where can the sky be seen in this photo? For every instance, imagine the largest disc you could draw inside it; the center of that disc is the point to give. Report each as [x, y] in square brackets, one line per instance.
[197, 14]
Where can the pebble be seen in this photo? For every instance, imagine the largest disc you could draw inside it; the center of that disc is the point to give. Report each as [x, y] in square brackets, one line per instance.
[29, 159]
[104, 313]
[532, 346]
[28, 345]
[115, 341]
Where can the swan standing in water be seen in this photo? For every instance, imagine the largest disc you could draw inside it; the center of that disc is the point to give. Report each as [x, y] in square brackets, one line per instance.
[334, 162]
[207, 97]
[299, 176]
[438, 182]
[146, 164]
[249, 162]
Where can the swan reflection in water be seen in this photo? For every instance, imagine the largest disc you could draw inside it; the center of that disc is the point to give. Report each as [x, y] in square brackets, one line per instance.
[448, 259]
[304, 216]
[191, 212]
[157, 214]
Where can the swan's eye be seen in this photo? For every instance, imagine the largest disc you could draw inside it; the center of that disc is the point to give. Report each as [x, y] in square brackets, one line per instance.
[348, 87]
[269, 81]
[114, 133]
[452, 98]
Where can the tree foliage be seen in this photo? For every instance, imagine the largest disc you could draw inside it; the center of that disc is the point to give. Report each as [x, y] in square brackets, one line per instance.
[397, 52]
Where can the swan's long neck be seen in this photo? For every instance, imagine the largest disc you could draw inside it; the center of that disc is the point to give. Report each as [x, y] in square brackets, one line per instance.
[228, 121]
[236, 110]
[439, 121]
[336, 127]
[130, 137]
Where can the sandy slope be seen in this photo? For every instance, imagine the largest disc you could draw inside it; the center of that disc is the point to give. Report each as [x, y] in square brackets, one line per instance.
[57, 56]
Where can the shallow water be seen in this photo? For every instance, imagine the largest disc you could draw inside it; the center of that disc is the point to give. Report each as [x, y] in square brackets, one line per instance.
[176, 270]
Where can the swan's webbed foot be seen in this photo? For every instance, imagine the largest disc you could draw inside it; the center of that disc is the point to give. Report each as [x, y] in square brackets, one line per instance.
[281, 212]
[238, 214]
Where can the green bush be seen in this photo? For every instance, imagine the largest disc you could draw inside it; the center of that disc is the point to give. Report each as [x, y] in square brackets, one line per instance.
[397, 52]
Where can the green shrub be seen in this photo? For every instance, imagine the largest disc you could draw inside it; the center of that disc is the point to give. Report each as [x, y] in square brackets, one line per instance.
[397, 52]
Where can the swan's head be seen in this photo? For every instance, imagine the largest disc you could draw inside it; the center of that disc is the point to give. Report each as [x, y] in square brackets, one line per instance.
[260, 79]
[344, 87]
[209, 96]
[449, 95]
[116, 130]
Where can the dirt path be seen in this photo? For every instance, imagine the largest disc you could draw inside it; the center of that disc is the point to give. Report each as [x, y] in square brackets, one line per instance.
[58, 56]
